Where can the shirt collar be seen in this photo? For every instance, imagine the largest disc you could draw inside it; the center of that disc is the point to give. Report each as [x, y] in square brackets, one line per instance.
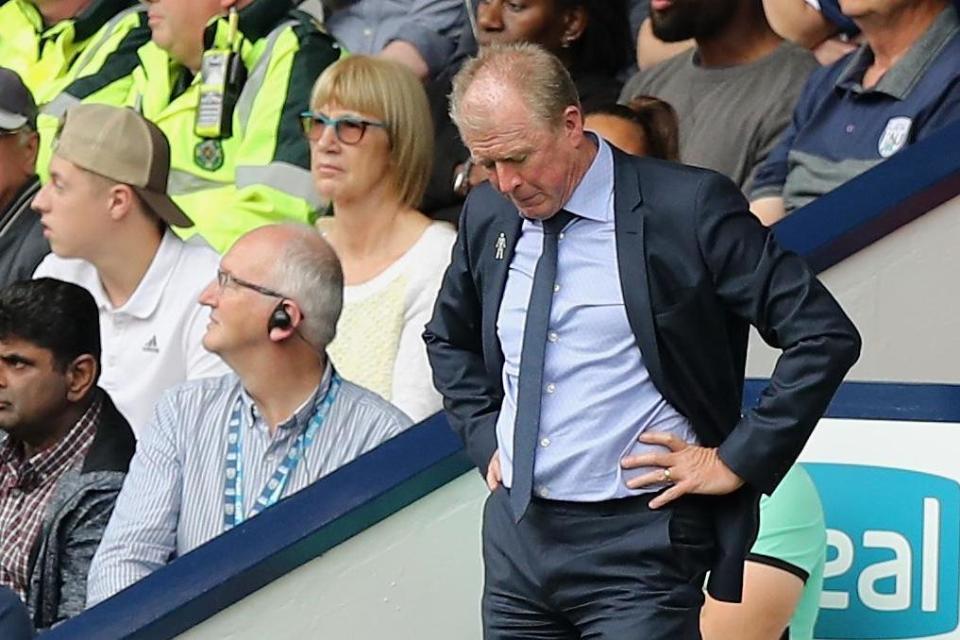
[899, 80]
[596, 186]
[301, 417]
[146, 297]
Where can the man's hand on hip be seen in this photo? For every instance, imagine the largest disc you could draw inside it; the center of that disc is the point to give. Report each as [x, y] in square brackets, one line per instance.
[686, 468]
[494, 477]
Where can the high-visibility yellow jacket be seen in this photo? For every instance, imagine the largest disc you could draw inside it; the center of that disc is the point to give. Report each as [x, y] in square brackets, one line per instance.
[261, 174]
[88, 58]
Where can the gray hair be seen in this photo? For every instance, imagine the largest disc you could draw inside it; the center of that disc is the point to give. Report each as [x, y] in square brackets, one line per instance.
[537, 75]
[309, 272]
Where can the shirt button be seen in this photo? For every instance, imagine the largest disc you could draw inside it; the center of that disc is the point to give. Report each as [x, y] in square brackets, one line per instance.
[560, 236]
[543, 492]
[850, 128]
[545, 442]
[556, 288]
[551, 388]
[553, 336]
[368, 32]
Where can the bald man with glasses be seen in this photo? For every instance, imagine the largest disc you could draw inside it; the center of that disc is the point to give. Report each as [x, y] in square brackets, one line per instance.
[282, 419]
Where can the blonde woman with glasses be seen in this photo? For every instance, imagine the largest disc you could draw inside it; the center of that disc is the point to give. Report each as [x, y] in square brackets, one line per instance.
[371, 145]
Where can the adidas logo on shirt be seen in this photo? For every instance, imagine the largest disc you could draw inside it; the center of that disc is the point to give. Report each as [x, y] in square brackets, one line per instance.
[151, 345]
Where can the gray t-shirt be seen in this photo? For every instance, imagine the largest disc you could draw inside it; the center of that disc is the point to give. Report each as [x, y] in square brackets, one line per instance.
[730, 118]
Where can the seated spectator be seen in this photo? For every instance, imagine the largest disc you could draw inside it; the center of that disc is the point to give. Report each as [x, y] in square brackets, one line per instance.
[783, 575]
[371, 148]
[14, 618]
[250, 166]
[64, 447]
[107, 216]
[818, 25]
[592, 39]
[69, 51]
[421, 35]
[734, 92]
[644, 126]
[900, 87]
[22, 245]
[275, 306]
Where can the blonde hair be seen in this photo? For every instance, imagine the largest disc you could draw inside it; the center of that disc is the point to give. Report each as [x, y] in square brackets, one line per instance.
[391, 92]
[536, 74]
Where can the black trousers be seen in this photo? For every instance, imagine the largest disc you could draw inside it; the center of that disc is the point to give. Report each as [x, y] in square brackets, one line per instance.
[613, 570]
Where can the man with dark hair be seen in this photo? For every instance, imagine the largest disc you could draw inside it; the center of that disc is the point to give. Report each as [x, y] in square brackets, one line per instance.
[22, 245]
[107, 216]
[64, 447]
[733, 91]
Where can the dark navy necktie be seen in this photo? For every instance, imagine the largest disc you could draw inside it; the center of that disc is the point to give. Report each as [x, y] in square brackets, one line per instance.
[530, 386]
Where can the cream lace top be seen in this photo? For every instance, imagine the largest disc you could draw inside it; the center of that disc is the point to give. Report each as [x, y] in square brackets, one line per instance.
[378, 343]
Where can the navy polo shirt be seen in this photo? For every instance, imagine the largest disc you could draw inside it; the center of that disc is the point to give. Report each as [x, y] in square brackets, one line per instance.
[840, 129]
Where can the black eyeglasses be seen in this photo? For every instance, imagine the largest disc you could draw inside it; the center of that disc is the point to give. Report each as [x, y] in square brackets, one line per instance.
[348, 129]
[225, 279]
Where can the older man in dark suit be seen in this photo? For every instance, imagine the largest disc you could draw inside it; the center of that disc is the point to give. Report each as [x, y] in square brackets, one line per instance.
[591, 353]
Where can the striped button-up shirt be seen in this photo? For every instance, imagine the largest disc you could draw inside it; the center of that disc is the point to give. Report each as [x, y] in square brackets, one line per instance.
[25, 489]
[173, 498]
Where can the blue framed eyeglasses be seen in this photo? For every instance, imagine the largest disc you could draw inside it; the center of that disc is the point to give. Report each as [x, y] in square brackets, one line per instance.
[348, 129]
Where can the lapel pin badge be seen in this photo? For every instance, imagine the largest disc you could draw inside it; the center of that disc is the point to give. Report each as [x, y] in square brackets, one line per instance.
[500, 246]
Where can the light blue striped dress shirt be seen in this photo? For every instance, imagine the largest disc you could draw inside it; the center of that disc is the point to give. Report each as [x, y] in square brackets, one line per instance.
[172, 499]
[597, 395]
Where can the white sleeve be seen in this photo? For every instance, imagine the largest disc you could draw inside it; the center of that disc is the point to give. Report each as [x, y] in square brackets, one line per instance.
[413, 391]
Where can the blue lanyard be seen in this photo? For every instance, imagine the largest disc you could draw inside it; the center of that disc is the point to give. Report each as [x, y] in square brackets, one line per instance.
[233, 477]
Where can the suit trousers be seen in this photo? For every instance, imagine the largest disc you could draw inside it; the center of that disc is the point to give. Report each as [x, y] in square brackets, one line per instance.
[612, 570]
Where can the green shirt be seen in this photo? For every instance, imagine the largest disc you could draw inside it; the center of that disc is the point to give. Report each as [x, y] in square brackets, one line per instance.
[793, 537]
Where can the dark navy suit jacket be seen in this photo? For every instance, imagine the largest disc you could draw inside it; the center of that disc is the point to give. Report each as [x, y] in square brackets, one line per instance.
[696, 269]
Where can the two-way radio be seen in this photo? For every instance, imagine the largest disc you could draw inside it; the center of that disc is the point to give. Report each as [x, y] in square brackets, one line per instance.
[222, 76]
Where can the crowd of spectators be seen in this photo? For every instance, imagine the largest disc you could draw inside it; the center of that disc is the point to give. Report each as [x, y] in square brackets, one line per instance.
[311, 147]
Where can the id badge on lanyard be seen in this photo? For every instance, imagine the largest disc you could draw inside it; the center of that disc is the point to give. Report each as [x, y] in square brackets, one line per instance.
[233, 510]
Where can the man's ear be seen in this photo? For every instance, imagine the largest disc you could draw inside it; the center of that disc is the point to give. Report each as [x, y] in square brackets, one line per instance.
[30, 151]
[120, 200]
[81, 376]
[573, 121]
[277, 333]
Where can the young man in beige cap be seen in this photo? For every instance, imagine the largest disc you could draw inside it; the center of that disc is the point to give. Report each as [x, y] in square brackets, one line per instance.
[107, 216]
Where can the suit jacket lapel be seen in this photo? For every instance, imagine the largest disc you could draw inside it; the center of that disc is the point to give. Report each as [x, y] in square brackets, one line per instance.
[629, 214]
[504, 232]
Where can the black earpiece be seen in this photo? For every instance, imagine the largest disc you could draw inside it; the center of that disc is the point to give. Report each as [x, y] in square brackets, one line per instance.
[279, 319]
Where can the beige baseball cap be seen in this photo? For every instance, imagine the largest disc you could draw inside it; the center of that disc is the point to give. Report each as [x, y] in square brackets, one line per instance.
[120, 144]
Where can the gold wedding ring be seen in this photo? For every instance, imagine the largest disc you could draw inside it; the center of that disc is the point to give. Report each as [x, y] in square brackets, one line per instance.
[667, 477]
